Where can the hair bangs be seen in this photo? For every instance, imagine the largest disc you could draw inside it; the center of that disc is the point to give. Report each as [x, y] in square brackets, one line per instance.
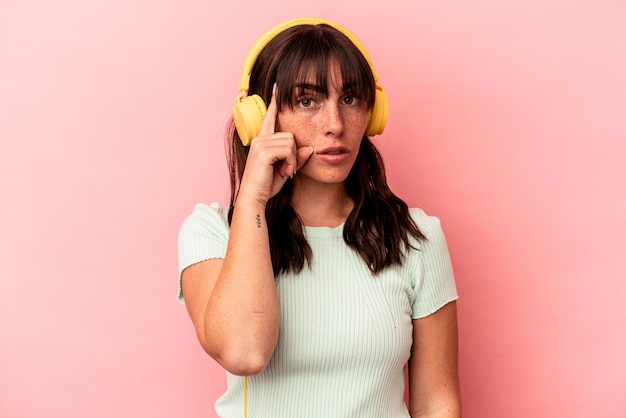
[307, 59]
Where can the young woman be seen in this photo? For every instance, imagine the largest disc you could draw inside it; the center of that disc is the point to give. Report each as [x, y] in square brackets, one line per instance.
[317, 288]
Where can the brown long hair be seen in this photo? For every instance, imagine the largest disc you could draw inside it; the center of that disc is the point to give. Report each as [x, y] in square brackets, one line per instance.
[379, 226]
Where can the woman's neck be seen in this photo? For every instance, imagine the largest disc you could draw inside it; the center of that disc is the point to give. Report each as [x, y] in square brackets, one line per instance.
[321, 205]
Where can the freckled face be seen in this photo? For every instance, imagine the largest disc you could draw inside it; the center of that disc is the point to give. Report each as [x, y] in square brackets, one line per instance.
[332, 124]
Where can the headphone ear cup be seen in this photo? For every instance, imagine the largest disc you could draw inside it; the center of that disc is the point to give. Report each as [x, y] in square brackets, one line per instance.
[378, 114]
[248, 114]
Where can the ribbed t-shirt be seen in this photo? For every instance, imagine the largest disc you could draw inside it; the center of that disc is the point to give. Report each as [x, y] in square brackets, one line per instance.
[345, 334]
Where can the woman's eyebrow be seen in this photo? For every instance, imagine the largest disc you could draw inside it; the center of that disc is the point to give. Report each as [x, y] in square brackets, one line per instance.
[309, 86]
[348, 87]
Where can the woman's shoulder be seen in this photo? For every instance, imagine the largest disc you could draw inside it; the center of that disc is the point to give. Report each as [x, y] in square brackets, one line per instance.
[430, 227]
[205, 217]
[425, 222]
[215, 209]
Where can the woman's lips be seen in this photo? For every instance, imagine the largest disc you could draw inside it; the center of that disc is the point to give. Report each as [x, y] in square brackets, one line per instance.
[333, 155]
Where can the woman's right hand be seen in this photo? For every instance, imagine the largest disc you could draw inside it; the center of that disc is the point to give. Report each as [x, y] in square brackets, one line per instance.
[272, 159]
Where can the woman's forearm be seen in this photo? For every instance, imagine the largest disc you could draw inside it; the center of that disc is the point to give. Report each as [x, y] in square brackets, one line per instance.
[242, 315]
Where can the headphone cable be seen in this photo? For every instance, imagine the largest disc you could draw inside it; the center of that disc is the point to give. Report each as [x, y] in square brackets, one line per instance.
[245, 397]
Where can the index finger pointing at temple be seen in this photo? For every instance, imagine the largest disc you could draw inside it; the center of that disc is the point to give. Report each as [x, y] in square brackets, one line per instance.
[268, 126]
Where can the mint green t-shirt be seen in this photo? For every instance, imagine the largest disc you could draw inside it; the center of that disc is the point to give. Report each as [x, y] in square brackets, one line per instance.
[345, 334]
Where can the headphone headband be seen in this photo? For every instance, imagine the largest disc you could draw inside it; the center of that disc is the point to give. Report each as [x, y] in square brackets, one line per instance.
[267, 37]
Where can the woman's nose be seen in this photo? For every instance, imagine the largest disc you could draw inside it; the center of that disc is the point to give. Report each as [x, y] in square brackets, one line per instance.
[333, 119]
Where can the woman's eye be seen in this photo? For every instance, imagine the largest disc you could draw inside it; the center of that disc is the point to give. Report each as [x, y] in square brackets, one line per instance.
[349, 100]
[305, 102]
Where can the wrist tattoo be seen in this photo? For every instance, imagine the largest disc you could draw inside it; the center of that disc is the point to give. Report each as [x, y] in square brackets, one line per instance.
[258, 220]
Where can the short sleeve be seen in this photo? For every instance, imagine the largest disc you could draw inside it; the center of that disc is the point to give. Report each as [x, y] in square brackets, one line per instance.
[432, 277]
[202, 236]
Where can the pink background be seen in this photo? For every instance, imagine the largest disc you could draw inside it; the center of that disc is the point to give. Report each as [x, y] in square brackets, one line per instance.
[507, 121]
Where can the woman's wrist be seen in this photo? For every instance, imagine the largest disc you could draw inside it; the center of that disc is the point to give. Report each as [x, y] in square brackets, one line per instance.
[250, 202]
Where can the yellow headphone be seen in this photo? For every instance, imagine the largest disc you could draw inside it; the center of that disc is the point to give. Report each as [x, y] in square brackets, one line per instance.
[249, 111]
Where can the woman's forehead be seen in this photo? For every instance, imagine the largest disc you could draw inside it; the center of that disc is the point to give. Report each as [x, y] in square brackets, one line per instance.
[315, 77]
